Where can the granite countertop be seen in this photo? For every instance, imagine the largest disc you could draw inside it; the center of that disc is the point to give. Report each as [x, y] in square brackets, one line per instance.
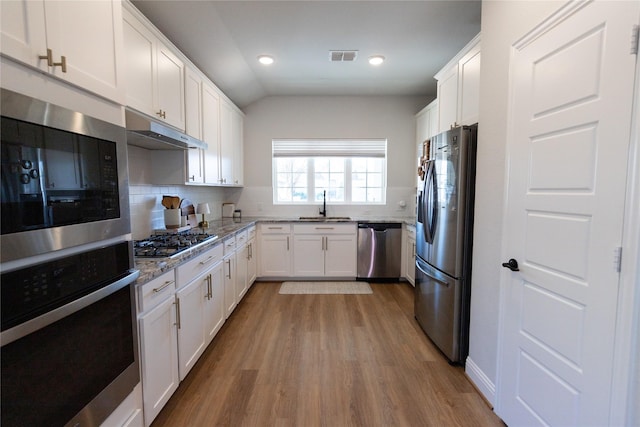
[225, 228]
[154, 267]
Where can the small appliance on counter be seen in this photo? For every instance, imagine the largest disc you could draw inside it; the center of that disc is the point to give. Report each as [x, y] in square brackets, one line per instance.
[228, 209]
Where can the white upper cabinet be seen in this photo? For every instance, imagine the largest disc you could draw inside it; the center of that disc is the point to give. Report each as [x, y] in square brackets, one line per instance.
[193, 124]
[211, 133]
[231, 150]
[459, 88]
[78, 41]
[155, 75]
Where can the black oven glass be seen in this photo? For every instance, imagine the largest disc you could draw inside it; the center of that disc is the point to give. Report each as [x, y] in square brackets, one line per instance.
[52, 178]
[50, 375]
[30, 292]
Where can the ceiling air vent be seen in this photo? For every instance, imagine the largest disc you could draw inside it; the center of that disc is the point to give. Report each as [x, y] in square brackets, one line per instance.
[343, 55]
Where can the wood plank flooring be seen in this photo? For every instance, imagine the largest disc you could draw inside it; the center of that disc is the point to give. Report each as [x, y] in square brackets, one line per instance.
[325, 360]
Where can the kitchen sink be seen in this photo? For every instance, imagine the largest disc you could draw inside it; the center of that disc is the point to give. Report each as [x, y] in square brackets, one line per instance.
[323, 218]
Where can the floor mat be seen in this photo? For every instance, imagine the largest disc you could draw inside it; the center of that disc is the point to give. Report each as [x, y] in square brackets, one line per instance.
[325, 288]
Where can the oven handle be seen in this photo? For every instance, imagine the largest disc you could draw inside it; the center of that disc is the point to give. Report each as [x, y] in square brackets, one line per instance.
[46, 319]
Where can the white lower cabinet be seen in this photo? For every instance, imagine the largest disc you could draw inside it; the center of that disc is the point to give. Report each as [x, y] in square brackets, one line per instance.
[324, 250]
[410, 251]
[230, 295]
[275, 250]
[179, 314]
[158, 344]
[214, 303]
[190, 300]
[242, 273]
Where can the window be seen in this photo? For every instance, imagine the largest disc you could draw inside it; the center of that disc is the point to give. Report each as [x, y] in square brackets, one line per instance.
[350, 171]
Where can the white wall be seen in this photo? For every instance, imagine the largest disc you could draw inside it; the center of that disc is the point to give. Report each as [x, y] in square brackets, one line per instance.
[503, 22]
[273, 117]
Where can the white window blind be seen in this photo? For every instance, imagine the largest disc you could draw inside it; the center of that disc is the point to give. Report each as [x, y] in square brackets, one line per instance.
[330, 148]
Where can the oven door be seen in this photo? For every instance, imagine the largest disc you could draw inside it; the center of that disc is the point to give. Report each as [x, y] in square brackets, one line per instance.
[74, 364]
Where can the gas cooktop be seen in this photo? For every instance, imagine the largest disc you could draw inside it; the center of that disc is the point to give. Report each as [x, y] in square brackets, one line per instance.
[169, 245]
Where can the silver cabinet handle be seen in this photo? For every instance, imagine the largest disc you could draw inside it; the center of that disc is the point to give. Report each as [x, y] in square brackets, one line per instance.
[287, 242]
[324, 228]
[229, 264]
[209, 287]
[207, 261]
[164, 286]
[177, 304]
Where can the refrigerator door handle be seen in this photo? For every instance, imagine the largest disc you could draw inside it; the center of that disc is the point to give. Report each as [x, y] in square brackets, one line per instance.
[429, 271]
[429, 203]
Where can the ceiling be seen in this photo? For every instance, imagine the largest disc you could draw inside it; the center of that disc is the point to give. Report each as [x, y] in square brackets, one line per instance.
[224, 38]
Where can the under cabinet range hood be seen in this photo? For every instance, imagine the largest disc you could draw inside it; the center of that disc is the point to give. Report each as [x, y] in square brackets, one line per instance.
[152, 135]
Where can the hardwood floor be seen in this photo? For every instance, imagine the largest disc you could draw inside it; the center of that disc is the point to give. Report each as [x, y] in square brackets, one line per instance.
[325, 360]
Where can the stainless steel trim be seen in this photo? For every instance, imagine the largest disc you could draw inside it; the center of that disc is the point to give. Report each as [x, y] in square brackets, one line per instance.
[144, 132]
[50, 317]
[35, 242]
[177, 304]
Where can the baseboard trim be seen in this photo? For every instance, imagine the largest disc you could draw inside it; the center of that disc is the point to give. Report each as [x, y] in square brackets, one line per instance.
[481, 382]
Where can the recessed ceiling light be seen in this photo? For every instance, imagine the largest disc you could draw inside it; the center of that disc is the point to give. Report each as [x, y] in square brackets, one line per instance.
[376, 59]
[265, 59]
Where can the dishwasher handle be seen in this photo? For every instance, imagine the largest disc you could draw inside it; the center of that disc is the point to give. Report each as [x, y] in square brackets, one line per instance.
[379, 227]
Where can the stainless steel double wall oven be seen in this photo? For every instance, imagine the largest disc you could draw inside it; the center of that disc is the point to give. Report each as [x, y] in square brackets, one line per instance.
[69, 341]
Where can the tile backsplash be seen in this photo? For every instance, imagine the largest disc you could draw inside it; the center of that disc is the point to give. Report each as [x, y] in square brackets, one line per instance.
[147, 210]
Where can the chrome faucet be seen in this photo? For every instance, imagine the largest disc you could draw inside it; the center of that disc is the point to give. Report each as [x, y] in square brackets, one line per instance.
[323, 212]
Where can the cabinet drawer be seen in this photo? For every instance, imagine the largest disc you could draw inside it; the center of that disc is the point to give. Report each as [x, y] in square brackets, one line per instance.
[155, 291]
[229, 245]
[251, 232]
[325, 228]
[192, 268]
[275, 228]
[241, 238]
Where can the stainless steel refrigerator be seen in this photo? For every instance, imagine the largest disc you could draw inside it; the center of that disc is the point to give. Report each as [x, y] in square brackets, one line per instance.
[444, 238]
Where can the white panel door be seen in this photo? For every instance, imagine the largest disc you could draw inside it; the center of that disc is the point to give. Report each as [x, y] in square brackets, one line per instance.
[569, 137]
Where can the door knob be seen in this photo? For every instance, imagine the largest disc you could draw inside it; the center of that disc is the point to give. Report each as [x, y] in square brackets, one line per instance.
[512, 265]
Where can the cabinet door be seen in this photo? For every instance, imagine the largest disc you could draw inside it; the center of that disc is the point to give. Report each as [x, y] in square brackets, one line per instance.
[410, 260]
[140, 59]
[340, 255]
[229, 273]
[214, 314]
[159, 357]
[469, 87]
[242, 270]
[226, 143]
[252, 265]
[89, 35]
[191, 324]
[170, 73]
[193, 124]
[211, 133]
[92, 46]
[237, 122]
[22, 27]
[448, 99]
[308, 255]
[275, 255]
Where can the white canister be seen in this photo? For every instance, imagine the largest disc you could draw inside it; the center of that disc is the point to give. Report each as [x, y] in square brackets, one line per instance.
[172, 218]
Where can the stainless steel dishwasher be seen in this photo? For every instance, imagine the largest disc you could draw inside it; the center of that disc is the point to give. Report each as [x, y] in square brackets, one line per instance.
[379, 248]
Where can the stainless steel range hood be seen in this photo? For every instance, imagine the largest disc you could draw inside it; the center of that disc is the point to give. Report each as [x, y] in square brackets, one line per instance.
[152, 135]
